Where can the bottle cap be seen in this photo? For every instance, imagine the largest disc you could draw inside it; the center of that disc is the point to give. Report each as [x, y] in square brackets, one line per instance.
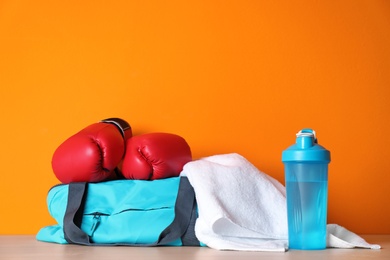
[306, 149]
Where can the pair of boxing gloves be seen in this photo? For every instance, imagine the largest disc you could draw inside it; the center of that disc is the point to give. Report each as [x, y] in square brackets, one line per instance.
[107, 150]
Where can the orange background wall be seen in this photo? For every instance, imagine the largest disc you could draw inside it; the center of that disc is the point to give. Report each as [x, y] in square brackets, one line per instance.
[228, 76]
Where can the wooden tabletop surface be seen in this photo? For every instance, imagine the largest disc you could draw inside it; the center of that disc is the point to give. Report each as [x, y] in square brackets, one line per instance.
[27, 247]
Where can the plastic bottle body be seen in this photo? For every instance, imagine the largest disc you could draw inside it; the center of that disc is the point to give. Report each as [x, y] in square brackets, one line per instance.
[307, 193]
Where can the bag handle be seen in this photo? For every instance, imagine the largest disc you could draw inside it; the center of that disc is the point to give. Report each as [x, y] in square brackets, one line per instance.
[182, 225]
[77, 193]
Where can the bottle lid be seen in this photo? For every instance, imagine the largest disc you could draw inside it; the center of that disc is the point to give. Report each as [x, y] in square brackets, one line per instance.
[306, 149]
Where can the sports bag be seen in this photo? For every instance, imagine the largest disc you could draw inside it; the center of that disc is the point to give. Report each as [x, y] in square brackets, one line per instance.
[123, 212]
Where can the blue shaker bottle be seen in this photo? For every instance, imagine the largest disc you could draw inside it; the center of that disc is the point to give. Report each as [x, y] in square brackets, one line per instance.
[306, 175]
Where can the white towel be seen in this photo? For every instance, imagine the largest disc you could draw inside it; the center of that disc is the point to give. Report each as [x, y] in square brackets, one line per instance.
[340, 237]
[242, 208]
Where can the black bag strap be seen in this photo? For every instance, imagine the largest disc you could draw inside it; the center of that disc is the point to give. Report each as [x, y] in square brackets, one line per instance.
[77, 193]
[181, 227]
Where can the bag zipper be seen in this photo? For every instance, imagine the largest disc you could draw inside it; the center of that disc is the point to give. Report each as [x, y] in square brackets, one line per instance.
[96, 221]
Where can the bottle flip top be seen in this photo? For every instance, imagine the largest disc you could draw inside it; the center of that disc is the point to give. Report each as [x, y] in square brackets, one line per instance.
[306, 149]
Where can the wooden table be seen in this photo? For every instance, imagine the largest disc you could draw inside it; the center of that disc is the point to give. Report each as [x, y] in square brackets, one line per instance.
[27, 247]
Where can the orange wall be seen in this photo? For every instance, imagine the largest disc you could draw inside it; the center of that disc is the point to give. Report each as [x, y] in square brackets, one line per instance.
[229, 76]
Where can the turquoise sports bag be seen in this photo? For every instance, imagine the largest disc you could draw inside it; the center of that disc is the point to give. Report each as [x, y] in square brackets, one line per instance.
[123, 212]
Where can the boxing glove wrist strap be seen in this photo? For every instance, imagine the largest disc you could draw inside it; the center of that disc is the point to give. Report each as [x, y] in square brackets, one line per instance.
[122, 125]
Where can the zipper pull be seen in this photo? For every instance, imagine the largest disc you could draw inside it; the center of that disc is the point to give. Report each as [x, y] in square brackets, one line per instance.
[95, 223]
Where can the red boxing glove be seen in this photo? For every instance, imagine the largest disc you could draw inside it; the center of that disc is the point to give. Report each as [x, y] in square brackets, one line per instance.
[92, 154]
[155, 156]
